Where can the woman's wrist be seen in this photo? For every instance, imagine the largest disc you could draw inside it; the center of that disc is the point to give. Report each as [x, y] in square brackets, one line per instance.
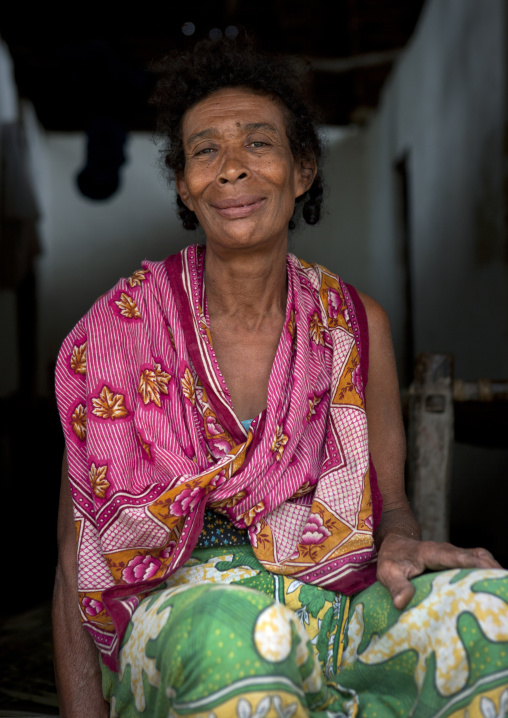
[398, 522]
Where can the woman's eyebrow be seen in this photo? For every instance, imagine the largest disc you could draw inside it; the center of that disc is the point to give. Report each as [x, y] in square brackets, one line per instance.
[253, 126]
[210, 132]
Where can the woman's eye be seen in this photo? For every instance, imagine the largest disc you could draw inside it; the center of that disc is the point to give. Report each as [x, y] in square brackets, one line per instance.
[258, 143]
[205, 151]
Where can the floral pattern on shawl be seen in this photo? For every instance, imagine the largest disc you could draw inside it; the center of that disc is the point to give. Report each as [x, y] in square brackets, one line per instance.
[152, 383]
[78, 359]
[127, 306]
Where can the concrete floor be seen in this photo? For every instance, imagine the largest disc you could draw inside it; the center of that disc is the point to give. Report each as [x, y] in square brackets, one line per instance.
[27, 681]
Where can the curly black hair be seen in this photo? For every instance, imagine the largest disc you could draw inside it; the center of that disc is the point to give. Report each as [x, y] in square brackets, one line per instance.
[186, 78]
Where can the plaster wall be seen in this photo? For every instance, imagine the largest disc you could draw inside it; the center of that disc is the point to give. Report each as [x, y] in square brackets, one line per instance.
[340, 240]
[444, 108]
[89, 245]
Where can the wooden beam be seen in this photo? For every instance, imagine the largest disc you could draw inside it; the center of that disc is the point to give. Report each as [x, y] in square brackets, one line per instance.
[430, 444]
[481, 390]
[340, 65]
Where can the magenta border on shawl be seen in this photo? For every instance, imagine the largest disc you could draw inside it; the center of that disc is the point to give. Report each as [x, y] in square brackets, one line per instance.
[360, 573]
[362, 335]
[363, 349]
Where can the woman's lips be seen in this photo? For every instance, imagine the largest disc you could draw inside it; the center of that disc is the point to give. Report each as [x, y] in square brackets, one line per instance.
[238, 207]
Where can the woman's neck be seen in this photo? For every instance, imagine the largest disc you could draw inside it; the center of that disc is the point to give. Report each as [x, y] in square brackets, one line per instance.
[246, 286]
[246, 294]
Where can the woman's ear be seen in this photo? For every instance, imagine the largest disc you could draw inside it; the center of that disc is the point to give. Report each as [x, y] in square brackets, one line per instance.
[306, 170]
[181, 188]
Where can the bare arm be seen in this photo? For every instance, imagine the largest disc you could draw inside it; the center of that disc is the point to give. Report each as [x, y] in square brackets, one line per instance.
[78, 675]
[401, 554]
[387, 443]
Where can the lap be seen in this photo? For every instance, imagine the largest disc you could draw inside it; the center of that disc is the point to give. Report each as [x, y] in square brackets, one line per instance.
[231, 648]
[215, 650]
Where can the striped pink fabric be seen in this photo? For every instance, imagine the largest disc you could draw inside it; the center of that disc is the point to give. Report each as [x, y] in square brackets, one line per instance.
[152, 439]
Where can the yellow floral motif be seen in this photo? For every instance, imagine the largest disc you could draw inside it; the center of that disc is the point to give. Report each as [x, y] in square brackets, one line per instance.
[98, 481]
[78, 422]
[250, 516]
[145, 446]
[316, 329]
[137, 277]
[279, 443]
[431, 627]
[188, 387]
[109, 405]
[312, 406]
[228, 503]
[162, 378]
[127, 307]
[304, 489]
[78, 359]
[493, 704]
[152, 383]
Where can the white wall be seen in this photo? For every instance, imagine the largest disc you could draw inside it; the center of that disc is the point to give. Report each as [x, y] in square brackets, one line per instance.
[444, 104]
[340, 240]
[89, 245]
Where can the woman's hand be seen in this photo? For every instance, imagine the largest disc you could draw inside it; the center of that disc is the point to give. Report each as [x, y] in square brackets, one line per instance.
[401, 554]
[401, 558]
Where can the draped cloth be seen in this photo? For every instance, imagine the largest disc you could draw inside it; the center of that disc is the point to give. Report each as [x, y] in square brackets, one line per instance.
[153, 439]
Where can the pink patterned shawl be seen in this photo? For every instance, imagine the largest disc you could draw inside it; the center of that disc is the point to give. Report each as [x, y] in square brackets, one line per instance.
[152, 439]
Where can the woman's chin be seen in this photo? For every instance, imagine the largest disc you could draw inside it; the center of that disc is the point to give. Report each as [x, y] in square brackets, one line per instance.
[245, 234]
[249, 242]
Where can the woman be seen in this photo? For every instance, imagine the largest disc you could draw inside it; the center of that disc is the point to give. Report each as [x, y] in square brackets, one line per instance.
[219, 464]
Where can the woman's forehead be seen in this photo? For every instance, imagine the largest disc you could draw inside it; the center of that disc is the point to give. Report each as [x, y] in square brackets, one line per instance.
[240, 106]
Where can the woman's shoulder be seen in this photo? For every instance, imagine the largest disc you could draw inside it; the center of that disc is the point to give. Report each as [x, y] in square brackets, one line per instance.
[378, 324]
[377, 317]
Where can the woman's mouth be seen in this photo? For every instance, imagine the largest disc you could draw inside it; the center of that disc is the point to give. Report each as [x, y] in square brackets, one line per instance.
[238, 207]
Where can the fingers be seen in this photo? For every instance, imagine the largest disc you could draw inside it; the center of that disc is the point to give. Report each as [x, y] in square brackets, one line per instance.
[401, 559]
[438, 556]
[483, 555]
[393, 576]
[403, 596]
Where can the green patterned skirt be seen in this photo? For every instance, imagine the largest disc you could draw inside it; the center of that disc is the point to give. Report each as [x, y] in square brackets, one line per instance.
[226, 638]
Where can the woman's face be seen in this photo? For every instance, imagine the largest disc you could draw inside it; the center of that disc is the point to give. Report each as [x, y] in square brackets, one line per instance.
[240, 176]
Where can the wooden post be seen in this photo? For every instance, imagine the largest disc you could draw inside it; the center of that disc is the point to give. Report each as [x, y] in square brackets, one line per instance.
[430, 443]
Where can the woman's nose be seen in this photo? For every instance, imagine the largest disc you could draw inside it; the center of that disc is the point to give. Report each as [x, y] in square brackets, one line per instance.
[233, 168]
